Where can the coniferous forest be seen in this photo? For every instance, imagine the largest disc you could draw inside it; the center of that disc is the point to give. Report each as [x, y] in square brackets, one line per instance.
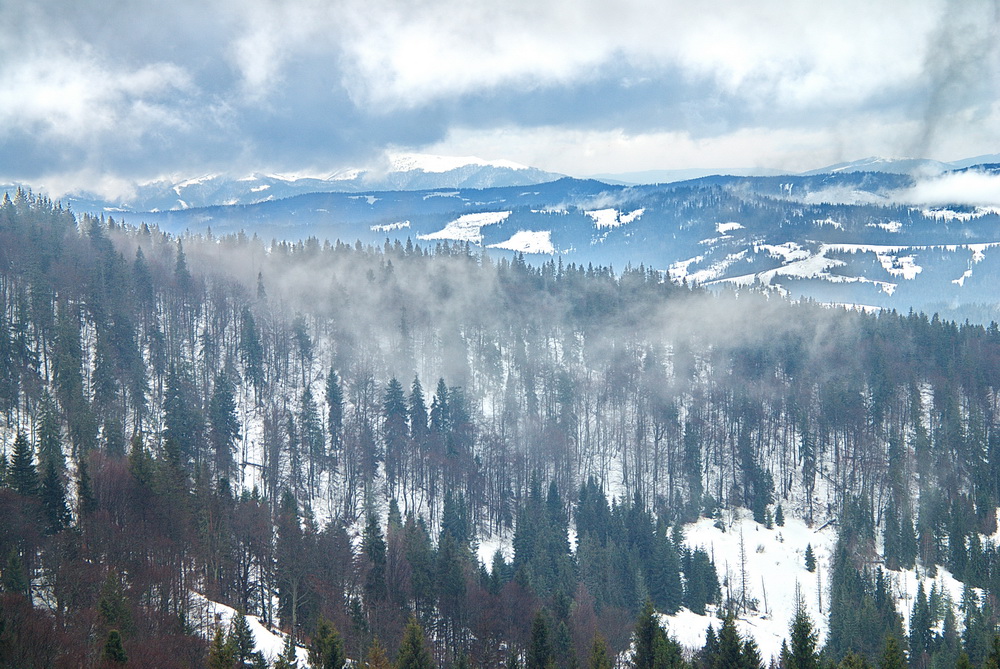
[324, 435]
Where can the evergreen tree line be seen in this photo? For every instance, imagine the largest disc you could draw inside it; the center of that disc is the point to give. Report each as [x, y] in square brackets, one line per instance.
[177, 411]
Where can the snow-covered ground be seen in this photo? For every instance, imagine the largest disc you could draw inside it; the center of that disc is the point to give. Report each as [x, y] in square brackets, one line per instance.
[528, 241]
[211, 615]
[775, 571]
[467, 228]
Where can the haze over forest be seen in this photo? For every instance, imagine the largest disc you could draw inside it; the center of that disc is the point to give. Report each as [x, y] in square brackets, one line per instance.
[322, 345]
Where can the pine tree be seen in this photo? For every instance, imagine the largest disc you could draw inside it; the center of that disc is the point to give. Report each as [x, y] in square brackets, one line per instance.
[288, 658]
[114, 651]
[600, 656]
[892, 655]
[729, 655]
[413, 651]
[802, 652]
[327, 648]
[223, 425]
[21, 473]
[220, 652]
[810, 558]
[53, 494]
[377, 657]
[540, 651]
[241, 640]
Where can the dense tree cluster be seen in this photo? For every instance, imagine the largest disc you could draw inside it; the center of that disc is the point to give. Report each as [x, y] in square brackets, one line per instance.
[250, 423]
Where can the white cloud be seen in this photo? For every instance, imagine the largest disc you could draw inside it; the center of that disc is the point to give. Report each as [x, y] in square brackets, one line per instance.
[971, 188]
[794, 53]
[580, 152]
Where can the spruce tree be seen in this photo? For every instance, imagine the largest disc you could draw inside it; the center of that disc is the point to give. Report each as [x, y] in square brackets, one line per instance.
[288, 658]
[600, 656]
[377, 657]
[802, 652]
[892, 655]
[413, 651]
[56, 512]
[21, 473]
[729, 655]
[335, 410]
[779, 516]
[114, 651]
[327, 648]
[810, 558]
[646, 634]
[751, 658]
[540, 651]
[241, 640]
[223, 425]
[220, 652]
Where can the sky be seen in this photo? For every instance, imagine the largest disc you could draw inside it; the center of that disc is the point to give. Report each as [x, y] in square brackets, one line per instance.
[99, 95]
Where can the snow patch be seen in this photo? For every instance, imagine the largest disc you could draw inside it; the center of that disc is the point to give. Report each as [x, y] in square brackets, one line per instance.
[725, 228]
[829, 221]
[389, 227]
[260, 188]
[612, 218]
[891, 226]
[269, 643]
[528, 241]
[468, 227]
[961, 280]
[775, 571]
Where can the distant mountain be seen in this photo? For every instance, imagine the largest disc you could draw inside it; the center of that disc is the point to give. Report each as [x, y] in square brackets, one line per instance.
[886, 165]
[846, 237]
[400, 172]
[673, 176]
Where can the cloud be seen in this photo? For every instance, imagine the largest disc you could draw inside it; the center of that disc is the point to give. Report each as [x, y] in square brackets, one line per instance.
[136, 89]
[971, 188]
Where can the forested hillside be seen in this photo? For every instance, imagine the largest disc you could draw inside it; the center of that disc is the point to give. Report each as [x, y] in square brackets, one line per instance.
[324, 436]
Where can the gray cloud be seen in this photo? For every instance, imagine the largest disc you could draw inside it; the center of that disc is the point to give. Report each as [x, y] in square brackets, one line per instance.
[134, 90]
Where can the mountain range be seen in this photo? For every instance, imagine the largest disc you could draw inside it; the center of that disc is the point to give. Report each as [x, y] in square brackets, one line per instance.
[875, 233]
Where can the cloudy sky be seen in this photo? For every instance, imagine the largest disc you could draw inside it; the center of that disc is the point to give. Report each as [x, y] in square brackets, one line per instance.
[97, 94]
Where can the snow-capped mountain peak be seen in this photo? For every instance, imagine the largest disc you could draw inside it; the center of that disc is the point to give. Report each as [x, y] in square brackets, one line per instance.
[408, 162]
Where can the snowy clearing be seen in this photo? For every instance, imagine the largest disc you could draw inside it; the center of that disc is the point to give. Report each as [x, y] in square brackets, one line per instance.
[528, 241]
[467, 228]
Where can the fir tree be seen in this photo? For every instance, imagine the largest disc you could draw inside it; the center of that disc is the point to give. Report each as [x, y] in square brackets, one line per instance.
[600, 656]
[413, 651]
[114, 651]
[802, 652]
[241, 640]
[56, 512]
[779, 516]
[729, 654]
[892, 655]
[288, 658]
[377, 657]
[810, 558]
[540, 651]
[220, 652]
[21, 473]
[327, 648]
